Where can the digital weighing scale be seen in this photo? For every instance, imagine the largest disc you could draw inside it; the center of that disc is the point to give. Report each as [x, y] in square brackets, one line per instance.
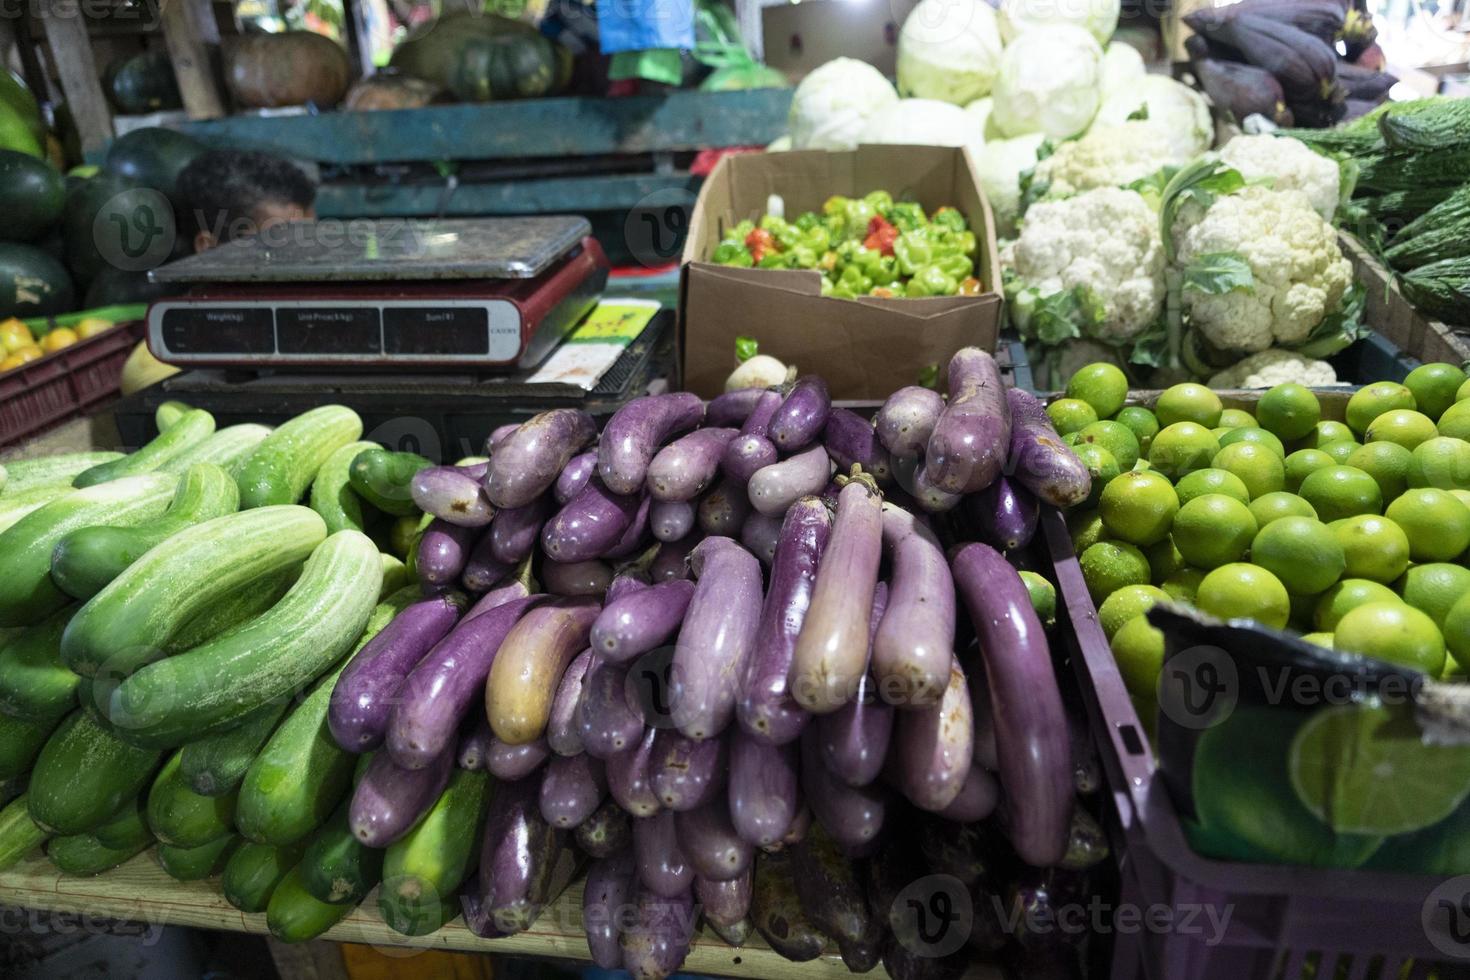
[473, 295]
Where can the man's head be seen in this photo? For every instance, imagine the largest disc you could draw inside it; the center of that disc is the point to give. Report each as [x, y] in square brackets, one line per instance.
[232, 193]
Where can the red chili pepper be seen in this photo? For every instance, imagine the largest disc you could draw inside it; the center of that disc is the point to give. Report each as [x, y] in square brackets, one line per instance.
[760, 242]
[881, 235]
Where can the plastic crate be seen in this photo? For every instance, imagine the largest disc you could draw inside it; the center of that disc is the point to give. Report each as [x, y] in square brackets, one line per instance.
[65, 384]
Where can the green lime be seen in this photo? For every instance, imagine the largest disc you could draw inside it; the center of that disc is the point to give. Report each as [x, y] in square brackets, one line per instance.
[1138, 507]
[1141, 422]
[1434, 387]
[1102, 385]
[1129, 602]
[1463, 496]
[1182, 448]
[1395, 632]
[1342, 491]
[1371, 401]
[1301, 552]
[1258, 436]
[1320, 639]
[1375, 547]
[1463, 392]
[1244, 591]
[1101, 466]
[1326, 432]
[1109, 565]
[1457, 631]
[1346, 596]
[1404, 426]
[1043, 596]
[1086, 528]
[1440, 462]
[1270, 507]
[1456, 420]
[1138, 649]
[1260, 468]
[1070, 439]
[1289, 411]
[1213, 530]
[1201, 482]
[1070, 414]
[1163, 560]
[1115, 437]
[1386, 462]
[1366, 769]
[1341, 451]
[1302, 463]
[1434, 587]
[1188, 402]
[1220, 432]
[1183, 584]
[1437, 523]
[1237, 418]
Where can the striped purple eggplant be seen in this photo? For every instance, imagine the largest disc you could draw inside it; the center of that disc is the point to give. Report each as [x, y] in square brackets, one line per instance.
[716, 639]
[635, 433]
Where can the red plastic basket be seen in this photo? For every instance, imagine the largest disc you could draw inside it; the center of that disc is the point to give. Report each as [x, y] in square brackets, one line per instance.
[64, 385]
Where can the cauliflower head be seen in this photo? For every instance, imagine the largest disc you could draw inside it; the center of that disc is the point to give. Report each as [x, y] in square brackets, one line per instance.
[1179, 114]
[1298, 274]
[1290, 164]
[1108, 156]
[1270, 367]
[1104, 240]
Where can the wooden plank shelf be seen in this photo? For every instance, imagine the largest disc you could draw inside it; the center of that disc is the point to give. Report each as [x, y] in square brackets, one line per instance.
[613, 192]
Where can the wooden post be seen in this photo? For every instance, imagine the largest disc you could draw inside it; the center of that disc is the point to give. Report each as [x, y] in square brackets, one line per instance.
[71, 51]
[189, 31]
[359, 40]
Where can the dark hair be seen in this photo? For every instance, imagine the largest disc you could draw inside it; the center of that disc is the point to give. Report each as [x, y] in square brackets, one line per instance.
[221, 189]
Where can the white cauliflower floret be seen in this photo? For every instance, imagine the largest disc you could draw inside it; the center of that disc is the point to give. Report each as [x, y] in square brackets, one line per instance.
[1108, 156]
[1271, 367]
[1106, 240]
[1299, 274]
[1291, 166]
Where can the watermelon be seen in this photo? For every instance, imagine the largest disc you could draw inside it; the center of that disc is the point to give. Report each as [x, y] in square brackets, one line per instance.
[112, 220]
[32, 283]
[32, 193]
[143, 83]
[153, 157]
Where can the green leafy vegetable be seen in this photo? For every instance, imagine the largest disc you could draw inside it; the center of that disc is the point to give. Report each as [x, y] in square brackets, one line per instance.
[1338, 330]
[1217, 273]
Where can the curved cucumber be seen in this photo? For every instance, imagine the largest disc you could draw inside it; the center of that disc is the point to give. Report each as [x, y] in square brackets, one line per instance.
[294, 916]
[18, 833]
[423, 869]
[126, 827]
[214, 765]
[83, 854]
[17, 505]
[253, 872]
[331, 495]
[20, 744]
[35, 685]
[234, 610]
[168, 414]
[282, 467]
[194, 863]
[228, 449]
[182, 817]
[193, 428]
[49, 471]
[337, 867]
[382, 478]
[84, 775]
[89, 558]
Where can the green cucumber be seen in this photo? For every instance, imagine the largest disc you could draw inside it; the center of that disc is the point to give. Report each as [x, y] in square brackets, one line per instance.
[228, 449]
[282, 467]
[17, 505]
[196, 426]
[89, 558]
[83, 855]
[337, 867]
[294, 916]
[402, 536]
[395, 575]
[19, 834]
[182, 817]
[195, 863]
[34, 684]
[382, 478]
[215, 685]
[332, 497]
[131, 621]
[84, 775]
[51, 471]
[254, 871]
[4, 477]
[126, 827]
[20, 744]
[423, 869]
[235, 610]
[168, 413]
[27, 593]
[215, 764]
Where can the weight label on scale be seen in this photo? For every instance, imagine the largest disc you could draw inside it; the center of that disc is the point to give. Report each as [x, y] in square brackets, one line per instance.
[329, 330]
[203, 330]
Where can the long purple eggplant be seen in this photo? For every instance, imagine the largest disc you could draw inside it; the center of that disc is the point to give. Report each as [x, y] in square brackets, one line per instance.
[752, 448]
[451, 495]
[589, 525]
[1005, 514]
[685, 773]
[437, 694]
[968, 446]
[906, 420]
[933, 747]
[760, 535]
[799, 419]
[474, 744]
[513, 762]
[507, 590]
[572, 787]
[637, 623]
[628, 580]
[854, 738]
[562, 731]
[524, 861]
[363, 698]
[657, 941]
[628, 777]
[976, 799]
[773, 489]
[482, 570]
[576, 578]
[529, 460]
[722, 511]
[521, 686]
[710, 844]
[635, 433]
[727, 901]
[831, 892]
[635, 538]
[606, 721]
[685, 467]
[914, 644]
[389, 799]
[611, 887]
[764, 790]
[986, 752]
[853, 815]
[1039, 460]
[574, 476]
[662, 866]
[608, 831]
[672, 561]
[849, 438]
[766, 708]
[777, 913]
[443, 550]
[1030, 721]
[716, 638]
[515, 531]
[498, 435]
[832, 650]
[670, 520]
[734, 407]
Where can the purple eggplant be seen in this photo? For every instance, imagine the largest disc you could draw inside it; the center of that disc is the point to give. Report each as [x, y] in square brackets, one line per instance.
[474, 744]
[672, 561]
[498, 435]
[507, 590]
[685, 773]
[734, 407]
[662, 866]
[576, 578]
[657, 941]
[521, 687]
[773, 489]
[986, 752]
[608, 831]
[515, 531]
[968, 446]
[752, 448]
[628, 777]
[709, 843]
[734, 935]
[725, 902]
[914, 644]
[635, 433]
[610, 888]
[759, 536]
[482, 570]
[389, 799]
[637, 623]
[574, 477]
[797, 832]
[562, 731]
[572, 788]
[590, 524]
[529, 460]
[976, 799]
[849, 439]
[853, 815]
[438, 693]
[906, 420]
[443, 550]
[764, 789]
[915, 480]
[799, 418]
[513, 762]
[606, 720]
[722, 511]
[451, 495]
[1005, 514]
[716, 638]
[363, 698]
[627, 581]
[1039, 460]
[1032, 740]
[777, 913]
[635, 538]
[671, 520]
[854, 738]
[831, 892]
[766, 708]
[933, 747]
[524, 861]
[685, 467]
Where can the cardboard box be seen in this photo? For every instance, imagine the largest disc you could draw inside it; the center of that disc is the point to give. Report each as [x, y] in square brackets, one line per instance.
[865, 348]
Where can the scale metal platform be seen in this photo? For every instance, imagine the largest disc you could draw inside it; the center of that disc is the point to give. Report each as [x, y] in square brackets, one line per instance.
[472, 295]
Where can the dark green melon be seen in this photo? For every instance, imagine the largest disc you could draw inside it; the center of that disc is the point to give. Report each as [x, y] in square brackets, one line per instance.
[32, 195]
[143, 83]
[32, 283]
[154, 157]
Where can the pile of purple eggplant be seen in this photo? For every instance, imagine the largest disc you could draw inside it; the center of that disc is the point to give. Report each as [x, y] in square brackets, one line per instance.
[717, 650]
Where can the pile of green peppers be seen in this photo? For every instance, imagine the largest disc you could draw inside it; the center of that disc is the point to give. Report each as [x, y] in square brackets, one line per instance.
[863, 246]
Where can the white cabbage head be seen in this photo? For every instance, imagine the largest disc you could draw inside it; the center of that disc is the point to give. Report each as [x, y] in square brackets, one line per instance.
[1050, 82]
[949, 50]
[831, 106]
